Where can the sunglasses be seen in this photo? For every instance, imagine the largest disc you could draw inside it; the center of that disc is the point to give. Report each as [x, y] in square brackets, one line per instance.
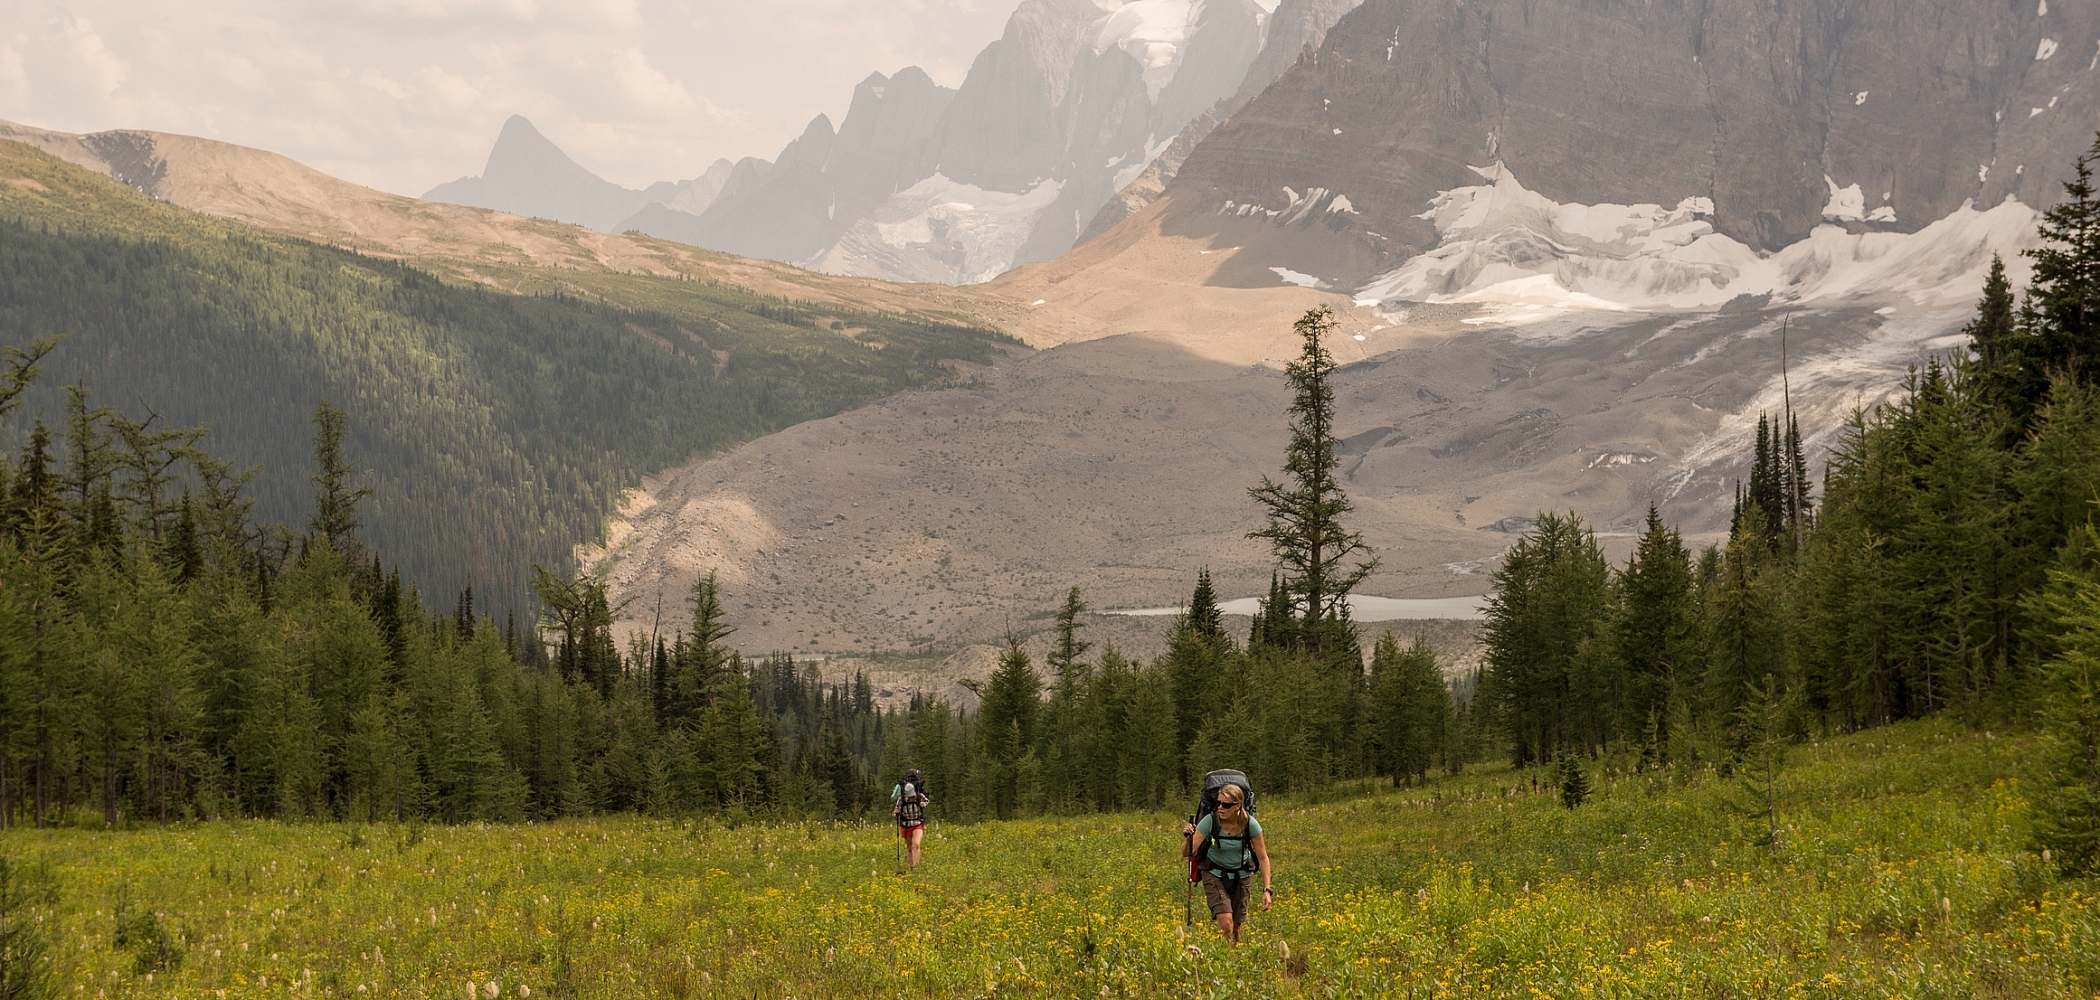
[1222, 806]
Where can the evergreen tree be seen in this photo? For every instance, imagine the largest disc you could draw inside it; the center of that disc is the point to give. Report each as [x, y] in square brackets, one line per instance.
[699, 660]
[1653, 628]
[1743, 642]
[90, 461]
[1550, 596]
[1995, 337]
[1574, 785]
[1147, 747]
[739, 748]
[1305, 514]
[335, 499]
[2067, 771]
[1008, 720]
[1064, 660]
[1799, 498]
[1411, 711]
[20, 367]
[2060, 322]
[1767, 490]
[1204, 618]
[1767, 727]
[1276, 624]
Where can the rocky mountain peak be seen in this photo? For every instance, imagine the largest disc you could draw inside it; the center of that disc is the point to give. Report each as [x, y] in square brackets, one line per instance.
[523, 155]
[528, 174]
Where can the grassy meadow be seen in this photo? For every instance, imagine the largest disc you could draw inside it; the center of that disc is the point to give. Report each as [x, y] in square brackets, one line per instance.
[1902, 872]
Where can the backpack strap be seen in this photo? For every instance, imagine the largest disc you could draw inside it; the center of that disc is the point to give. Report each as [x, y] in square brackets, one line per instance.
[1247, 865]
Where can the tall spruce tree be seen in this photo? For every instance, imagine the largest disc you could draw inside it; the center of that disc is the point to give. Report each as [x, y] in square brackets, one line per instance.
[700, 659]
[1065, 659]
[1653, 625]
[1305, 530]
[1550, 598]
[1008, 721]
[335, 497]
[1204, 618]
[1994, 335]
[2060, 320]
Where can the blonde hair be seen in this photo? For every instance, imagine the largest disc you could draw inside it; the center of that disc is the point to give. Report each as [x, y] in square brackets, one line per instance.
[1232, 794]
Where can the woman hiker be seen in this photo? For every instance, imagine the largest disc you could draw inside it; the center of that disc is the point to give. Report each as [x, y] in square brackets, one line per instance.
[908, 802]
[1232, 849]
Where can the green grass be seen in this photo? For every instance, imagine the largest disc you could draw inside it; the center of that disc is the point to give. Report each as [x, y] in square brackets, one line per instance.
[1474, 886]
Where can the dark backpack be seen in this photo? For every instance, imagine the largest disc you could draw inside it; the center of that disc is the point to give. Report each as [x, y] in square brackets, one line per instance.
[911, 800]
[1207, 805]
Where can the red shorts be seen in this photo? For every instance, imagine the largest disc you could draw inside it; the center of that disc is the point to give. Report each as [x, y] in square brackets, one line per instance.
[906, 831]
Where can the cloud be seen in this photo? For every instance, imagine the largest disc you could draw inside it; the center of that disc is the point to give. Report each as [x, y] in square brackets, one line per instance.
[406, 94]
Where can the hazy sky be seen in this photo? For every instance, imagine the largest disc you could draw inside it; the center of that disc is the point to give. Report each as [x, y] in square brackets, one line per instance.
[405, 94]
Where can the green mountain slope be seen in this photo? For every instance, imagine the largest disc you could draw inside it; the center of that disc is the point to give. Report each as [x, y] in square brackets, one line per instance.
[496, 430]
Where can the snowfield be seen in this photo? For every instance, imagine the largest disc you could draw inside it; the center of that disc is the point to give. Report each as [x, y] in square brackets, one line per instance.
[1531, 257]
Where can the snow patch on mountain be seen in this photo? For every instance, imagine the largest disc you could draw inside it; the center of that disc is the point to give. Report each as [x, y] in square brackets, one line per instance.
[1153, 32]
[1530, 257]
[1846, 204]
[982, 228]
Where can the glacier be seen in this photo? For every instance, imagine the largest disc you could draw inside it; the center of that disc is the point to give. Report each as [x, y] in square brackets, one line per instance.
[1529, 257]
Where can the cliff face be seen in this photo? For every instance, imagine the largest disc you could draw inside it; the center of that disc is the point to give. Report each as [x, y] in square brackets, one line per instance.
[1294, 26]
[1781, 116]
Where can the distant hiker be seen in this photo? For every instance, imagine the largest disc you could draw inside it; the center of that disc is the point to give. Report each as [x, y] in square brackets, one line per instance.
[908, 802]
[1225, 849]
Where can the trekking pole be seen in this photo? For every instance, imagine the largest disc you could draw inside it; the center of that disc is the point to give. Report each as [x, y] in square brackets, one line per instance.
[1188, 891]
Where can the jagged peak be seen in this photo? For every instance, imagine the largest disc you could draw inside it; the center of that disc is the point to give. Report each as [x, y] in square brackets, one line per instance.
[519, 141]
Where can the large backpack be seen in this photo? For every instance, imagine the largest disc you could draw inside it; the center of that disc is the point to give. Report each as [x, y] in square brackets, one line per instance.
[911, 799]
[1207, 805]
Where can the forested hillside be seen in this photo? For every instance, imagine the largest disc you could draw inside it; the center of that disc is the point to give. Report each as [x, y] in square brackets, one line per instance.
[494, 430]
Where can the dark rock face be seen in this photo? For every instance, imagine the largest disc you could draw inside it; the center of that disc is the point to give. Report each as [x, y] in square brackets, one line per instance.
[1294, 26]
[529, 175]
[1924, 104]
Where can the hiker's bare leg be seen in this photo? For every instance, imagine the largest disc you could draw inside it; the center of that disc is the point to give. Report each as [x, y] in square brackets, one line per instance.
[1225, 926]
[916, 833]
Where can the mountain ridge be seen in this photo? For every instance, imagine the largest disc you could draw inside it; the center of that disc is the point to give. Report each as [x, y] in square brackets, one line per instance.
[1075, 101]
[1907, 111]
[495, 428]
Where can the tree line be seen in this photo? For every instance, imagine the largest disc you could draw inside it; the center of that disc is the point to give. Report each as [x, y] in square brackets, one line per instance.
[165, 654]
